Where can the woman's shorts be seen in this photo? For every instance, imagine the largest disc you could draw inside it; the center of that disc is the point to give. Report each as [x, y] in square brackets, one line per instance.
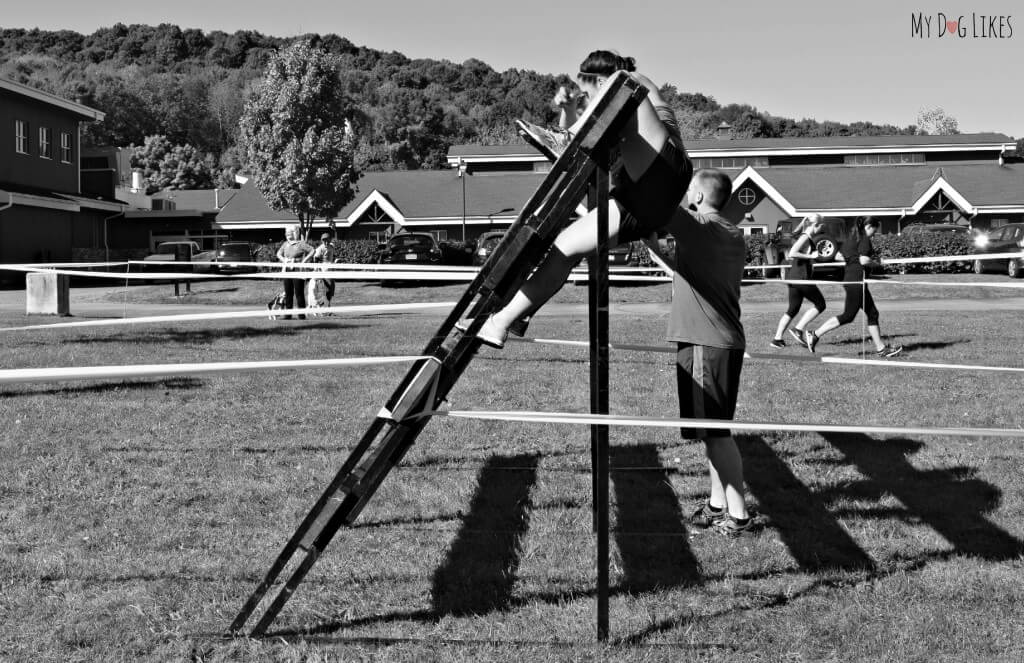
[647, 205]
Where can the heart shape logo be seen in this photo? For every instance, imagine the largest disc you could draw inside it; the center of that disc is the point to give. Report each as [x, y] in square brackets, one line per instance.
[951, 26]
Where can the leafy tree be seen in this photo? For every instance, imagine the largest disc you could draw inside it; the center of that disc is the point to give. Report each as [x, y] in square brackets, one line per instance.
[935, 122]
[167, 166]
[293, 133]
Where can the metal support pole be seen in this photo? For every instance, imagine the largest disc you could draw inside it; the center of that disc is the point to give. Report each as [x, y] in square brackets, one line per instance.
[597, 268]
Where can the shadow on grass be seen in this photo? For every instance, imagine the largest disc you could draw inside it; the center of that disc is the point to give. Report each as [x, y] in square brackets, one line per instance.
[650, 533]
[951, 501]
[208, 336]
[813, 536]
[170, 383]
[479, 572]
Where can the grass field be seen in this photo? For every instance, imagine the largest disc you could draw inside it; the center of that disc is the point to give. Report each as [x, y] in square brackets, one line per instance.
[136, 516]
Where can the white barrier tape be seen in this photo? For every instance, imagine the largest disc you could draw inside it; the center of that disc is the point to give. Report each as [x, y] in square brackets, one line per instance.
[66, 374]
[228, 315]
[891, 281]
[822, 359]
[368, 275]
[650, 422]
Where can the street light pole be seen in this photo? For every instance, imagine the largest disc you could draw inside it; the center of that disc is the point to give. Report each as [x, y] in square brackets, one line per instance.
[462, 176]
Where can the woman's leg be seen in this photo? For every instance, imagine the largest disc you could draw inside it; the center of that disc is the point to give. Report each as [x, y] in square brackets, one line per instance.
[813, 295]
[871, 312]
[783, 323]
[575, 241]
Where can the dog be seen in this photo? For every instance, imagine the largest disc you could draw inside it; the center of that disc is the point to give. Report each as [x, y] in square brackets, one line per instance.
[316, 296]
[276, 304]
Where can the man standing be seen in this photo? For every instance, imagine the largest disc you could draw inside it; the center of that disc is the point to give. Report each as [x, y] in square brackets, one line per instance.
[325, 254]
[705, 324]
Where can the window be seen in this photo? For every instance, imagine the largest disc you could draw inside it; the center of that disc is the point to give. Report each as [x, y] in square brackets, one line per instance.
[45, 147]
[896, 158]
[21, 136]
[746, 196]
[729, 162]
[65, 147]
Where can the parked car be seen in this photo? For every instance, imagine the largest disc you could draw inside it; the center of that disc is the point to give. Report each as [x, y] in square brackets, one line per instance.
[230, 254]
[1004, 239]
[179, 251]
[827, 242]
[920, 228]
[410, 249]
[623, 255]
[485, 245]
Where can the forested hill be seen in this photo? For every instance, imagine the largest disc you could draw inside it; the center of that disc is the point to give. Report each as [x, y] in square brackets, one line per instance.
[191, 85]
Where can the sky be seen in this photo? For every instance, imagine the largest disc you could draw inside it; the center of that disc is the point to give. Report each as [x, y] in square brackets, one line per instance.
[825, 60]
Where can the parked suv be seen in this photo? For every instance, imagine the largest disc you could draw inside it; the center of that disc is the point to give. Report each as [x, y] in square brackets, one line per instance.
[1004, 239]
[827, 242]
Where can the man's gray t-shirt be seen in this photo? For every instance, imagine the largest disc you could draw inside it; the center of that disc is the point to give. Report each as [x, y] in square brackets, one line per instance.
[709, 261]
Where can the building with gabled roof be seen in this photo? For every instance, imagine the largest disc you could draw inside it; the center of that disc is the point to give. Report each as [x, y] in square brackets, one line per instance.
[438, 201]
[45, 211]
[963, 178]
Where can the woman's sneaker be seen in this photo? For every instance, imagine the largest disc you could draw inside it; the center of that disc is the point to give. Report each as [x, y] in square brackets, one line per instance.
[777, 343]
[797, 334]
[490, 333]
[707, 516]
[811, 340]
[889, 351]
[550, 142]
[735, 528]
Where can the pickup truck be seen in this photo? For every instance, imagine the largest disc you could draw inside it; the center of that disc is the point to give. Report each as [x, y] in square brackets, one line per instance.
[181, 251]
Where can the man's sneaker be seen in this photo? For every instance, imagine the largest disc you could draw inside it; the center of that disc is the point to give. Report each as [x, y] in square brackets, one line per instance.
[797, 334]
[550, 142]
[777, 343]
[733, 528]
[811, 340]
[490, 333]
[889, 351]
[707, 516]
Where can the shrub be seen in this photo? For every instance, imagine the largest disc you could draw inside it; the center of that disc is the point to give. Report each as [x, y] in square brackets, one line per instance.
[921, 245]
[355, 251]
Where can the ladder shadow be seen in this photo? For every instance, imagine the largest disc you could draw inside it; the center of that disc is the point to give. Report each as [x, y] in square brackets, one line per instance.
[480, 569]
[811, 533]
[649, 532]
[952, 501]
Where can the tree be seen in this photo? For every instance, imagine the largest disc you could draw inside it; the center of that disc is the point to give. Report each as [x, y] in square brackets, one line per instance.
[935, 122]
[293, 134]
[167, 166]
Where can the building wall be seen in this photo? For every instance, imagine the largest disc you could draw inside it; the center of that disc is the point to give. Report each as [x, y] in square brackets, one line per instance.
[32, 234]
[31, 169]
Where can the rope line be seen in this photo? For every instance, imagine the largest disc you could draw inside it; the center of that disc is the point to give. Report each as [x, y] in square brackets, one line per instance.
[233, 315]
[65, 374]
[575, 418]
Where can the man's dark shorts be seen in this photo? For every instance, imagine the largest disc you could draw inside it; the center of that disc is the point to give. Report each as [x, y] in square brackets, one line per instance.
[647, 205]
[709, 382]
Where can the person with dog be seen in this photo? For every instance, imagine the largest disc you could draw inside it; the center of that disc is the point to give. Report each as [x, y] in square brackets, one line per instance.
[801, 255]
[859, 255]
[646, 190]
[710, 341]
[323, 255]
[291, 252]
